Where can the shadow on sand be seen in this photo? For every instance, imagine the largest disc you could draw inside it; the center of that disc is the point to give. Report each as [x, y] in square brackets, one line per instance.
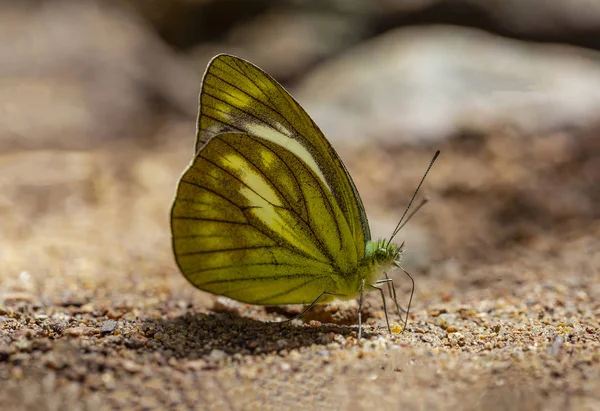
[198, 335]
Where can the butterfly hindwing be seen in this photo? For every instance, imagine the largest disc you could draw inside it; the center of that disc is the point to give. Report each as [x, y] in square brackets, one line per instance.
[251, 222]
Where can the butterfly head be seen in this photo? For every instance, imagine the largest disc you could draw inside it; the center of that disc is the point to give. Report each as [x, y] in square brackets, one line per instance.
[383, 252]
[380, 256]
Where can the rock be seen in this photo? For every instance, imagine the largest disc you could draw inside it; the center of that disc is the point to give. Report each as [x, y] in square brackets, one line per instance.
[195, 365]
[19, 297]
[108, 327]
[538, 17]
[131, 366]
[89, 72]
[227, 305]
[79, 331]
[282, 41]
[74, 331]
[183, 22]
[554, 348]
[217, 355]
[4, 353]
[422, 85]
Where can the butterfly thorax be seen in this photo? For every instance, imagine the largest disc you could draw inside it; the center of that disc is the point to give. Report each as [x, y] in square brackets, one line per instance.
[380, 256]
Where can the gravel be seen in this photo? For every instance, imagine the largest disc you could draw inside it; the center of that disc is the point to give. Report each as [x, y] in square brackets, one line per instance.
[103, 320]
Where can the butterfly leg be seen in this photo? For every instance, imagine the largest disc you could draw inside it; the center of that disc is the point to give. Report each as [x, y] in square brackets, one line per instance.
[392, 292]
[387, 321]
[360, 304]
[324, 293]
[390, 284]
[389, 281]
[412, 292]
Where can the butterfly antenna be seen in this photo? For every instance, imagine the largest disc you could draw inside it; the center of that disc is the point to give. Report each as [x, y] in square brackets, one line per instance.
[411, 214]
[402, 221]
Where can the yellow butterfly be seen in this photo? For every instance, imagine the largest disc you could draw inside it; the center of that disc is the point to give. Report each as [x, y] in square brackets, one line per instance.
[267, 213]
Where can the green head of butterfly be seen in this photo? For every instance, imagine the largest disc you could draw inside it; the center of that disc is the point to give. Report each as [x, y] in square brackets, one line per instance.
[382, 252]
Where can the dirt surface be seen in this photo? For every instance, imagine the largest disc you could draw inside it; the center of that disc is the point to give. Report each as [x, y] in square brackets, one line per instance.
[94, 314]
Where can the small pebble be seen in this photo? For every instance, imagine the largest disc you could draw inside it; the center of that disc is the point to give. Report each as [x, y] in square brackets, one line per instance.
[435, 312]
[113, 315]
[195, 365]
[217, 355]
[87, 308]
[108, 327]
[74, 331]
[16, 297]
[79, 331]
[556, 345]
[131, 366]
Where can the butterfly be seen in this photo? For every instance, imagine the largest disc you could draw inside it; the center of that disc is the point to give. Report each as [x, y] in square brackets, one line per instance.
[266, 213]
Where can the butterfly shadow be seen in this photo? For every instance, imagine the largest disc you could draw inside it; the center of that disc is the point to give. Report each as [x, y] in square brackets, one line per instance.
[214, 336]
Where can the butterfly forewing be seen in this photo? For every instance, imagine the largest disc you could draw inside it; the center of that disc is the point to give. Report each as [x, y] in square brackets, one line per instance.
[239, 97]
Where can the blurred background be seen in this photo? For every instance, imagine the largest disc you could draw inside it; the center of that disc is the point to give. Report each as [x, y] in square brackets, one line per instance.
[98, 103]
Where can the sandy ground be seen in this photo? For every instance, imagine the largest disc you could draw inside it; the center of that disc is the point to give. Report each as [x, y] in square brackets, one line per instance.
[94, 314]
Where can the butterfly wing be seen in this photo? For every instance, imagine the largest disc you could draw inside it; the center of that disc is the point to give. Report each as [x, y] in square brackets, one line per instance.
[266, 213]
[237, 96]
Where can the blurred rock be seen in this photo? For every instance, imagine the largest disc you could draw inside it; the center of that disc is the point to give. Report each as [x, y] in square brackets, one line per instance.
[74, 73]
[425, 84]
[566, 17]
[185, 23]
[566, 20]
[287, 43]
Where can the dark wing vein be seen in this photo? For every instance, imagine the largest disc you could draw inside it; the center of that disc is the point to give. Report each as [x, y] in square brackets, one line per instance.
[193, 183]
[292, 174]
[264, 175]
[290, 125]
[286, 245]
[306, 141]
[236, 178]
[202, 236]
[191, 201]
[290, 290]
[314, 235]
[250, 114]
[262, 278]
[202, 270]
[225, 250]
[214, 220]
[222, 122]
